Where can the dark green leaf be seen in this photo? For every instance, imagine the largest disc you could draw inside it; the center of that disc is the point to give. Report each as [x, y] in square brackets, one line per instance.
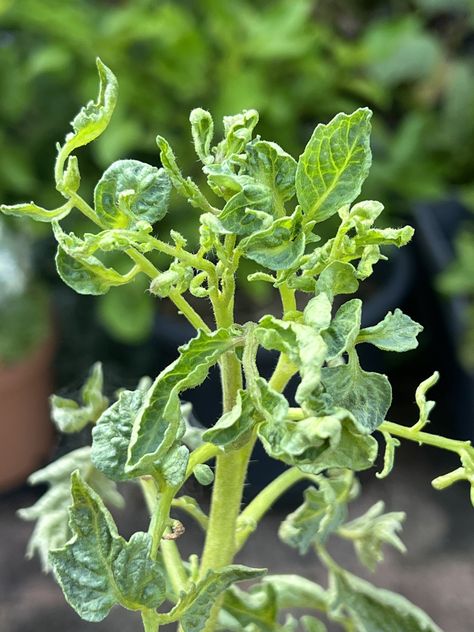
[367, 396]
[97, 568]
[160, 422]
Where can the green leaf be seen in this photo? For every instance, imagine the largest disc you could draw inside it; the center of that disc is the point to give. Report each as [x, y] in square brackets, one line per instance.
[247, 211]
[317, 313]
[238, 130]
[353, 451]
[173, 465]
[202, 130]
[131, 191]
[371, 531]
[257, 605]
[159, 423]
[304, 347]
[337, 278]
[194, 607]
[184, 186]
[279, 246]
[334, 164]
[323, 511]
[372, 609]
[311, 624]
[203, 474]
[94, 117]
[425, 406]
[97, 568]
[293, 591]
[396, 332]
[367, 396]
[51, 511]
[269, 165]
[111, 435]
[299, 442]
[69, 416]
[87, 275]
[234, 428]
[36, 212]
[341, 335]
[389, 457]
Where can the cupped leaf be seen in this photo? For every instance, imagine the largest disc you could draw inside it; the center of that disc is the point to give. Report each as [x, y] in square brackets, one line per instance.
[203, 474]
[371, 531]
[238, 130]
[256, 606]
[425, 406]
[234, 428]
[36, 212]
[301, 442]
[87, 275]
[202, 130]
[70, 416]
[247, 211]
[270, 165]
[293, 591]
[131, 191]
[159, 423]
[94, 117]
[194, 607]
[323, 511]
[372, 609]
[396, 332]
[367, 396]
[51, 511]
[279, 246]
[341, 335]
[338, 278]
[184, 186]
[97, 568]
[111, 435]
[334, 164]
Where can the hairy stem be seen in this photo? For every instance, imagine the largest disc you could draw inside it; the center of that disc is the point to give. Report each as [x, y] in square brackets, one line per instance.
[174, 566]
[425, 438]
[259, 506]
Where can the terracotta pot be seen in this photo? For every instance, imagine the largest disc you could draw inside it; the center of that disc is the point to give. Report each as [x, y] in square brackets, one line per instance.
[26, 432]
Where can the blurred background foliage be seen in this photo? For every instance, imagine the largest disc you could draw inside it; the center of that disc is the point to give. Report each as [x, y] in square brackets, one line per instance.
[296, 61]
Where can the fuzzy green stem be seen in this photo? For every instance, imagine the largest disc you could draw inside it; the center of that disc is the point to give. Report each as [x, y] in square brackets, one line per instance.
[284, 371]
[425, 438]
[174, 566]
[259, 506]
[150, 621]
[160, 518]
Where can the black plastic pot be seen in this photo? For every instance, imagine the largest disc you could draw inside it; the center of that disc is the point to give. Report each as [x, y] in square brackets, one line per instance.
[437, 225]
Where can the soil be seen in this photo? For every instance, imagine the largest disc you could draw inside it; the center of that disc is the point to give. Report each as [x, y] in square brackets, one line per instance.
[437, 572]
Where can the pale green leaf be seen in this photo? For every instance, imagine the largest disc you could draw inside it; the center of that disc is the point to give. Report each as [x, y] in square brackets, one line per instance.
[341, 335]
[337, 278]
[372, 609]
[87, 275]
[247, 211]
[258, 605]
[293, 591]
[367, 396]
[396, 332]
[184, 186]
[111, 435]
[234, 428]
[311, 624]
[70, 416]
[323, 511]
[279, 246]
[317, 313]
[202, 130]
[194, 606]
[425, 406]
[97, 568]
[269, 165]
[36, 212]
[94, 117]
[172, 466]
[371, 531]
[389, 457]
[51, 510]
[238, 130]
[203, 474]
[159, 423]
[131, 191]
[334, 164]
